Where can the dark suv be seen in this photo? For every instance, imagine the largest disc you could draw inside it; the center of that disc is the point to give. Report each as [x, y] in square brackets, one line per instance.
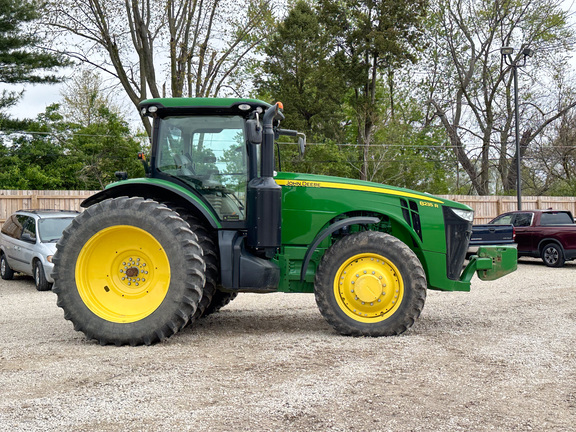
[28, 242]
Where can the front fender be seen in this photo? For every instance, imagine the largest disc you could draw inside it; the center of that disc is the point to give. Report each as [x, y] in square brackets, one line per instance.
[329, 230]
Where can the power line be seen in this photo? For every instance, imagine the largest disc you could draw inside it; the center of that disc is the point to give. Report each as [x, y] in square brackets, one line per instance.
[9, 133]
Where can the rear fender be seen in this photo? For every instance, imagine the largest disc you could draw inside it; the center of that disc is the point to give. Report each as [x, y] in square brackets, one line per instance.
[160, 191]
[546, 241]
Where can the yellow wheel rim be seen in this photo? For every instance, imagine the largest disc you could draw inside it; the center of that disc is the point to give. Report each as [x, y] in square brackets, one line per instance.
[122, 274]
[368, 288]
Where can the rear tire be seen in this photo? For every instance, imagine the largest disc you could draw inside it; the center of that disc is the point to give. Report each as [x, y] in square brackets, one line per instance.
[208, 242]
[553, 255]
[5, 271]
[128, 271]
[219, 300]
[370, 284]
[40, 277]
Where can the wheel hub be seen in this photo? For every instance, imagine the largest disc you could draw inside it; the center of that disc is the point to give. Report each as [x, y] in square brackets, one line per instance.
[122, 274]
[369, 287]
[133, 271]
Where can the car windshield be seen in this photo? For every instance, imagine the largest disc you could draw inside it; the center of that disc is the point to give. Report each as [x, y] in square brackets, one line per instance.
[50, 229]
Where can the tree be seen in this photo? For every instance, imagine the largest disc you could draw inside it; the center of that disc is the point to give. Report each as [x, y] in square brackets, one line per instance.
[371, 38]
[83, 96]
[33, 153]
[298, 70]
[551, 162]
[20, 59]
[307, 69]
[470, 90]
[206, 42]
[55, 154]
[103, 148]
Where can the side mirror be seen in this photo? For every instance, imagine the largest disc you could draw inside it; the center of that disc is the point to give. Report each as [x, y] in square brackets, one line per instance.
[301, 143]
[254, 131]
[28, 238]
[300, 135]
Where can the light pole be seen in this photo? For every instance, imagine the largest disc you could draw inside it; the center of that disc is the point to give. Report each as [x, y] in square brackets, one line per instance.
[515, 64]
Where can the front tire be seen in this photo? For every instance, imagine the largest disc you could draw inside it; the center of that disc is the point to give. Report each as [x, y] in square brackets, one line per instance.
[553, 255]
[370, 284]
[40, 277]
[128, 271]
[5, 271]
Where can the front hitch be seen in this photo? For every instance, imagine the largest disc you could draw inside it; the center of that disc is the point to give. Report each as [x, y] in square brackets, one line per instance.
[491, 262]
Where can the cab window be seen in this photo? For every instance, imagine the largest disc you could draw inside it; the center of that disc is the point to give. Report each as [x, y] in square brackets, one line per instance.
[556, 218]
[209, 154]
[522, 219]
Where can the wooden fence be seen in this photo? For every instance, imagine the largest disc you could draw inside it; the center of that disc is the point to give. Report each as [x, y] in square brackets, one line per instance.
[485, 207]
[12, 200]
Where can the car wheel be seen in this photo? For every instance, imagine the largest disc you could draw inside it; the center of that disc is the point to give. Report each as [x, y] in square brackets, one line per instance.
[5, 271]
[40, 277]
[553, 255]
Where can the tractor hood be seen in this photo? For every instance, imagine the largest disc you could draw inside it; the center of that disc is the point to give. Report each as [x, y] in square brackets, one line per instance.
[329, 182]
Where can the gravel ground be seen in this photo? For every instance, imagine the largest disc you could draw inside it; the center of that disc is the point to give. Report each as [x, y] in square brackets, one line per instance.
[500, 358]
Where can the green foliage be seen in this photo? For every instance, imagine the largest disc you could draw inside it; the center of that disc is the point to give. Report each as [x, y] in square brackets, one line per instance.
[333, 67]
[321, 158]
[103, 148]
[20, 61]
[54, 154]
[298, 71]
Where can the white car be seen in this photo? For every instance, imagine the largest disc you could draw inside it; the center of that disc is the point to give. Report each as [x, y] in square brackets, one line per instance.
[28, 242]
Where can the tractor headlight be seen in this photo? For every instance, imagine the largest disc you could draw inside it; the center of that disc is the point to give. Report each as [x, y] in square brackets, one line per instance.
[467, 215]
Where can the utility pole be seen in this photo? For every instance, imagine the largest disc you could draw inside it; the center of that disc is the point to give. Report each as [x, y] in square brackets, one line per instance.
[515, 64]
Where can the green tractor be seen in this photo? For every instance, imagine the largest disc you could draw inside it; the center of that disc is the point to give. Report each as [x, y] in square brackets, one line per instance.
[212, 218]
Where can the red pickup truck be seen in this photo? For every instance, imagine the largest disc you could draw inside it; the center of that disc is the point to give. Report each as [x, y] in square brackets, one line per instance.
[548, 234]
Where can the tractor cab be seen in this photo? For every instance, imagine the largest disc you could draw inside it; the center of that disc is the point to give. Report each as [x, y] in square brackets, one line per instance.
[208, 154]
[223, 151]
[202, 144]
